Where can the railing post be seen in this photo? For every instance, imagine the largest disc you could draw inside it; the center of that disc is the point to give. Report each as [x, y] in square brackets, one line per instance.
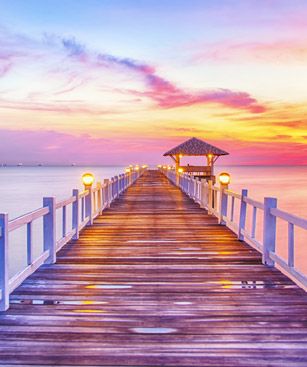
[75, 213]
[223, 203]
[89, 205]
[242, 215]
[269, 231]
[49, 223]
[4, 266]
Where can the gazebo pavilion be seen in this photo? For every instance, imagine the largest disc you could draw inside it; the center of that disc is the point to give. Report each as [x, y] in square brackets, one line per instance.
[196, 147]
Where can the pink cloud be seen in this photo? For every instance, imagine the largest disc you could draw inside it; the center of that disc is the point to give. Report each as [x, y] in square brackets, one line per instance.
[167, 95]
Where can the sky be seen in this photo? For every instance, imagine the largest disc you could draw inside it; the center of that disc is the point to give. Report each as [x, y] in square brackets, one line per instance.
[123, 81]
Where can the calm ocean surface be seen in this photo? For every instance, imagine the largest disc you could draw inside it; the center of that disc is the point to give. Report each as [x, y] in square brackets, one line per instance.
[22, 190]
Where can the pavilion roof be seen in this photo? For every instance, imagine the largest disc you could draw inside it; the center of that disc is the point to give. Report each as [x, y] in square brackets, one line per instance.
[195, 147]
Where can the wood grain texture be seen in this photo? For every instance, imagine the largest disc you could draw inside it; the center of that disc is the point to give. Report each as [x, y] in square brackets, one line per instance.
[156, 282]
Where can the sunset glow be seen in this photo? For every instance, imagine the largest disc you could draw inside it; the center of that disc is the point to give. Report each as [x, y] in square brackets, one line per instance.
[119, 82]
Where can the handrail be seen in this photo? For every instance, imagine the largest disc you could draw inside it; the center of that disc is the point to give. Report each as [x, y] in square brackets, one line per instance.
[291, 218]
[65, 202]
[26, 218]
[85, 206]
[215, 200]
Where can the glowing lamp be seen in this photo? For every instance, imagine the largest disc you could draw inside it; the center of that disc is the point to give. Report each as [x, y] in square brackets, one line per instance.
[127, 170]
[88, 179]
[224, 178]
[180, 170]
[136, 168]
[180, 155]
[169, 167]
[159, 166]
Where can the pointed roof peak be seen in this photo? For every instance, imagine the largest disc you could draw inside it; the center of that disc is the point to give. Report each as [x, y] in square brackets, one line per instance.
[195, 146]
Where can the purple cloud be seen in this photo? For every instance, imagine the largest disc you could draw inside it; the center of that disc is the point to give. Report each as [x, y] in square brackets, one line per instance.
[160, 90]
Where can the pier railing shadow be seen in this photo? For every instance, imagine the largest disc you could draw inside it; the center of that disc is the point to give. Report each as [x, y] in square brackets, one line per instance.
[220, 202]
[85, 206]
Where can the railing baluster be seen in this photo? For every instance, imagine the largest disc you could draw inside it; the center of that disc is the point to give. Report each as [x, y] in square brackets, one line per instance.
[210, 197]
[107, 191]
[75, 213]
[64, 221]
[99, 197]
[232, 208]
[82, 208]
[29, 244]
[4, 262]
[254, 221]
[203, 194]
[290, 244]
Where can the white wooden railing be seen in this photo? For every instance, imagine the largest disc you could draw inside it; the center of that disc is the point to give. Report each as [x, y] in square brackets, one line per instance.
[85, 206]
[220, 201]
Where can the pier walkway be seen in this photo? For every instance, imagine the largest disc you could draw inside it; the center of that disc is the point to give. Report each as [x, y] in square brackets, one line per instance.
[156, 282]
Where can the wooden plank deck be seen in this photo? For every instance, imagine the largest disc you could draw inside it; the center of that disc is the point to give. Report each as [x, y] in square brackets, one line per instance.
[156, 282]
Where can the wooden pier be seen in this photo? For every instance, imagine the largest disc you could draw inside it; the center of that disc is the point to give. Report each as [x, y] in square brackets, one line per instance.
[156, 281]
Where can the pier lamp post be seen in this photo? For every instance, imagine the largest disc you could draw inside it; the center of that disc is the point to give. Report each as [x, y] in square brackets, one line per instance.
[224, 179]
[88, 179]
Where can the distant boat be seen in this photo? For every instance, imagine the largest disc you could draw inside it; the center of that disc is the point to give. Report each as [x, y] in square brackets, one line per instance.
[73, 164]
[19, 164]
[40, 164]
